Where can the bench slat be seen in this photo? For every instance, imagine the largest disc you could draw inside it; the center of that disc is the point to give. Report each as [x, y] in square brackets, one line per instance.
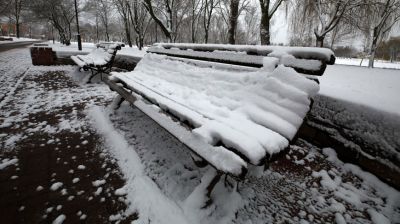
[306, 66]
[323, 54]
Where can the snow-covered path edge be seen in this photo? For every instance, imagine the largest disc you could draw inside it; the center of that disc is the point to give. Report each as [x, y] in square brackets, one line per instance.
[143, 194]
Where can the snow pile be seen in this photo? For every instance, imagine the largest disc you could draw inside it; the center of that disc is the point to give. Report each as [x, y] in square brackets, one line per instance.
[254, 112]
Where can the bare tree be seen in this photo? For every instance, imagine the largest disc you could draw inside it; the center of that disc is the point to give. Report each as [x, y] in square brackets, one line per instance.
[208, 9]
[233, 17]
[251, 24]
[4, 4]
[321, 17]
[166, 28]
[329, 14]
[60, 13]
[377, 18]
[104, 11]
[169, 15]
[123, 8]
[140, 21]
[16, 11]
[230, 11]
[268, 9]
[195, 12]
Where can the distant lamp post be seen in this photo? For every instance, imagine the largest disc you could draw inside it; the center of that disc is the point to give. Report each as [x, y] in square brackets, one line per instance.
[77, 28]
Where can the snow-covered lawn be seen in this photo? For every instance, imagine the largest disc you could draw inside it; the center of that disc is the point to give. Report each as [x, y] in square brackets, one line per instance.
[14, 39]
[308, 185]
[376, 88]
[364, 63]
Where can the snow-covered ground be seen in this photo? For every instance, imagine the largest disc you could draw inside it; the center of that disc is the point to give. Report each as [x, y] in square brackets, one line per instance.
[308, 185]
[376, 88]
[364, 63]
[14, 39]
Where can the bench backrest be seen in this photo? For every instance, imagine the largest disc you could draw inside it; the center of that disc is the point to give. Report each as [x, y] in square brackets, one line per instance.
[306, 60]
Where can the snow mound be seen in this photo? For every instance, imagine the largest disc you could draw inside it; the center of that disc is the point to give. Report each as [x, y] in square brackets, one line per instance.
[256, 113]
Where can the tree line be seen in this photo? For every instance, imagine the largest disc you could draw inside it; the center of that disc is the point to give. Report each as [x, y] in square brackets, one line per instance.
[321, 23]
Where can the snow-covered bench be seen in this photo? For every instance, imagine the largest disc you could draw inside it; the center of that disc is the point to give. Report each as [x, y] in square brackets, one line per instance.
[230, 109]
[99, 61]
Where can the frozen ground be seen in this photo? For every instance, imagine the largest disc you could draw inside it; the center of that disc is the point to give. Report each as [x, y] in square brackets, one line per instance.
[309, 185]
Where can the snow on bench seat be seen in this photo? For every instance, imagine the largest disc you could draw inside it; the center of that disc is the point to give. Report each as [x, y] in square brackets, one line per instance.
[314, 63]
[323, 54]
[254, 114]
[97, 57]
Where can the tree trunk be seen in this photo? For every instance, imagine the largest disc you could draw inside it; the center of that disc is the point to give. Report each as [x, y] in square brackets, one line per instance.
[264, 29]
[166, 31]
[107, 36]
[372, 55]
[234, 7]
[373, 48]
[206, 36]
[319, 41]
[17, 29]
[127, 32]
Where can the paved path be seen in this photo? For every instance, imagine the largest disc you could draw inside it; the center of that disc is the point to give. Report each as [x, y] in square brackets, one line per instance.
[51, 162]
[13, 45]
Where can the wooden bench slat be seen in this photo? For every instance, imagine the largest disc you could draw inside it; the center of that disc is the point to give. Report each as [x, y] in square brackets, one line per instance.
[306, 66]
[323, 54]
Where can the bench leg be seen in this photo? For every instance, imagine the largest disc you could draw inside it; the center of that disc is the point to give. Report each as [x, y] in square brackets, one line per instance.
[91, 76]
[201, 195]
[212, 184]
[198, 161]
[116, 104]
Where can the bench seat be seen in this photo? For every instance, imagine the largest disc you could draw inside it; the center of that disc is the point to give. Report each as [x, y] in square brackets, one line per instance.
[227, 115]
[98, 61]
[97, 57]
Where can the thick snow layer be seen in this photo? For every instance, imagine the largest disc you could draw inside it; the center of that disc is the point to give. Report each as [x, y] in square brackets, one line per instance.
[250, 60]
[274, 51]
[253, 112]
[376, 88]
[98, 56]
[63, 51]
